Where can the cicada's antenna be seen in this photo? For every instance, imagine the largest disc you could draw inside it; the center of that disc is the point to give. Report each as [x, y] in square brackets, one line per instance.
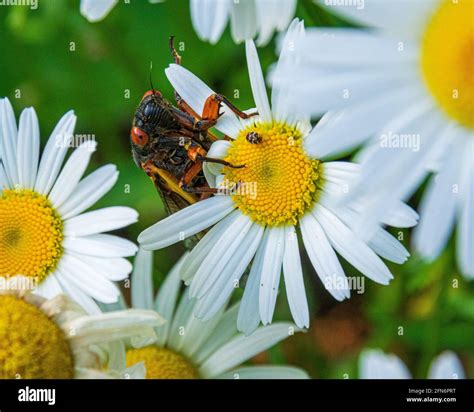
[151, 81]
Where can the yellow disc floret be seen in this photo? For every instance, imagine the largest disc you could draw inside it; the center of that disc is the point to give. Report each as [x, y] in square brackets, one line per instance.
[447, 59]
[30, 235]
[278, 182]
[162, 363]
[31, 345]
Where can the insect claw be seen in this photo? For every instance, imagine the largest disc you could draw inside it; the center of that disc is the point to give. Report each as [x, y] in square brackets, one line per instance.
[219, 161]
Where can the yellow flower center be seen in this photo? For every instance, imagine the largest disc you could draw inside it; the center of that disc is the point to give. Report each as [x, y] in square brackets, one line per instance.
[447, 59]
[279, 182]
[31, 345]
[30, 235]
[162, 363]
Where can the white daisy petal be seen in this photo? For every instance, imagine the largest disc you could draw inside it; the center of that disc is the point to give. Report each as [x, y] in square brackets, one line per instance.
[112, 326]
[96, 10]
[166, 299]
[273, 14]
[438, 209]
[210, 177]
[265, 372]
[220, 291]
[218, 150]
[381, 171]
[374, 364]
[72, 172]
[186, 222]
[102, 220]
[282, 108]
[8, 140]
[388, 247]
[341, 130]
[28, 148]
[81, 298]
[446, 366]
[182, 316]
[351, 247]
[215, 263]
[249, 314]
[355, 48]
[142, 280]
[336, 89]
[405, 17]
[323, 258]
[465, 234]
[89, 191]
[82, 276]
[339, 179]
[114, 269]
[210, 18]
[117, 356]
[197, 332]
[49, 287]
[257, 82]
[194, 259]
[400, 215]
[137, 371]
[242, 348]
[226, 328]
[382, 242]
[293, 275]
[243, 18]
[271, 271]
[4, 183]
[100, 245]
[54, 153]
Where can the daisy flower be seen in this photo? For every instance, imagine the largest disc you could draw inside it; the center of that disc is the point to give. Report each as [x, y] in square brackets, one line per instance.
[374, 364]
[405, 88]
[44, 234]
[188, 348]
[284, 184]
[55, 338]
[248, 18]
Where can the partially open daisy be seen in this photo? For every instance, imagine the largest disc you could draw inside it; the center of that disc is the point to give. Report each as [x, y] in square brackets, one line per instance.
[374, 364]
[248, 18]
[188, 348]
[55, 338]
[283, 185]
[44, 234]
[406, 88]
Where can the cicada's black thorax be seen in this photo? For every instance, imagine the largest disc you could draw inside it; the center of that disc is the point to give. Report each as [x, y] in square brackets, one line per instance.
[153, 116]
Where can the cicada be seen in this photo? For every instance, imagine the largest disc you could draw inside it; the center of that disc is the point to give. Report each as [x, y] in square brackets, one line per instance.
[170, 143]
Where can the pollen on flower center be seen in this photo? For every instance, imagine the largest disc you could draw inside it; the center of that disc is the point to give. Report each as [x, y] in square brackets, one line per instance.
[162, 363]
[31, 345]
[30, 235]
[447, 59]
[279, 182]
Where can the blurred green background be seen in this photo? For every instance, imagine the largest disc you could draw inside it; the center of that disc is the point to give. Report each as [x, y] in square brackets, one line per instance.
[102, 80]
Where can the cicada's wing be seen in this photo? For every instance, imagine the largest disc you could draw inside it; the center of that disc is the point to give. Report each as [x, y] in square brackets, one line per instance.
[174, 198]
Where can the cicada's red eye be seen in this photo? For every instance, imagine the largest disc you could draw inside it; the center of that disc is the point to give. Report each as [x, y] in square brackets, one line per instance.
[138, 136]
[150, 92]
